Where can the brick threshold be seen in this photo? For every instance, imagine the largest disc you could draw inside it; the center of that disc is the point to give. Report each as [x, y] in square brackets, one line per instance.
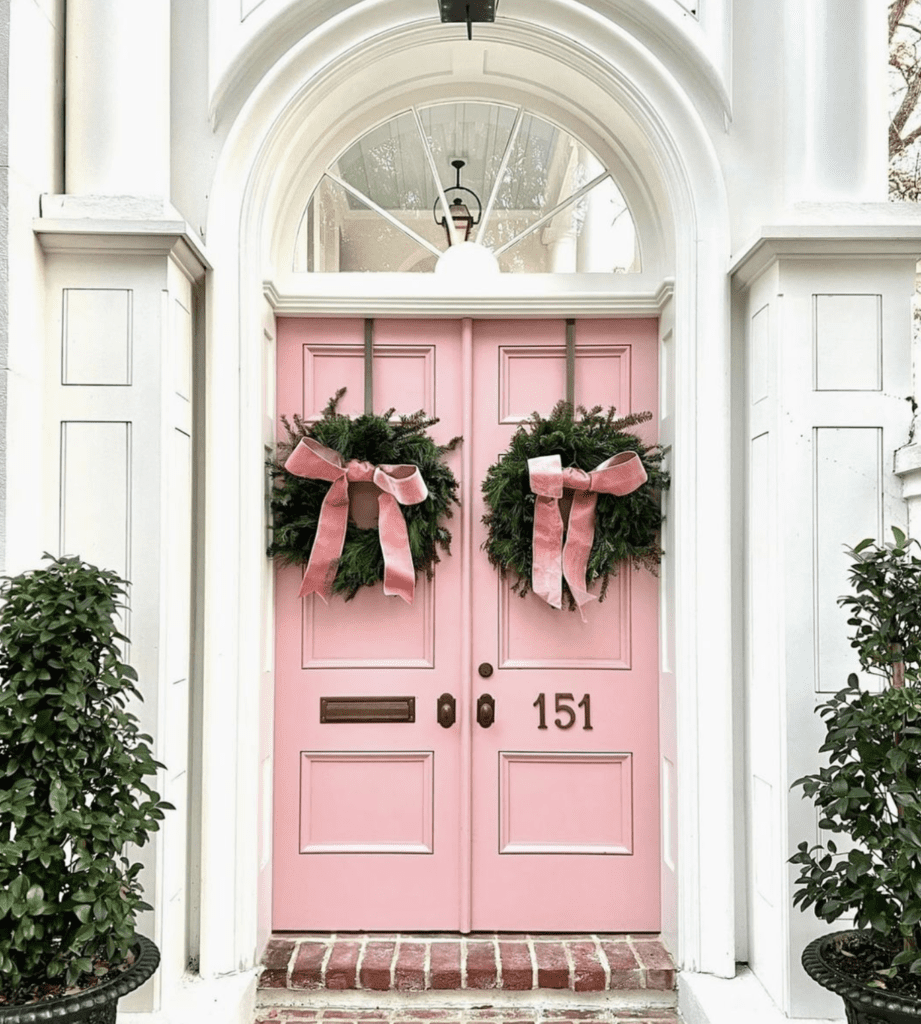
[475, 1015]
[334, 968]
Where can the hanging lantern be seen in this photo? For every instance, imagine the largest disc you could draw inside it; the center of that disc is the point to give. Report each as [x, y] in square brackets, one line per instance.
[458, 209]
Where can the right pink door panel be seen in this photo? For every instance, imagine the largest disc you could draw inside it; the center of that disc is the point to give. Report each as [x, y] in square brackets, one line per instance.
[370, 819]
[565, 781]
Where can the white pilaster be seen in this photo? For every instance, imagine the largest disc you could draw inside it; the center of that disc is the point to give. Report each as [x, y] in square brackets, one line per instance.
[836, 99]
[117, 90]
[827, 338]
[122, 313]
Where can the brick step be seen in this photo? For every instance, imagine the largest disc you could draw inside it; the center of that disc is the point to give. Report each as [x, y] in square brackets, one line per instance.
[614, 1015]
[375, 963]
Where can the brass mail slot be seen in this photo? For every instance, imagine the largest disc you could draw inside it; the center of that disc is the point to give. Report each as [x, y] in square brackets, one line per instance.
[367, 709]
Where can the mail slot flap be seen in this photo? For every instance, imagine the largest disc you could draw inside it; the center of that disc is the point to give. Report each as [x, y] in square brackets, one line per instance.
[367, 709]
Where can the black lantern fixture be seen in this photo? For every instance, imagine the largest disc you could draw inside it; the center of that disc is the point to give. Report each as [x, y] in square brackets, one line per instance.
[460, 213]
[468, 11]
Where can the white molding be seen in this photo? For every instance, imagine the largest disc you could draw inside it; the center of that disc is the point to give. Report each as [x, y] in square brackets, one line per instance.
[509, 295]
[242, 54]
[119, 225]
[899, 235]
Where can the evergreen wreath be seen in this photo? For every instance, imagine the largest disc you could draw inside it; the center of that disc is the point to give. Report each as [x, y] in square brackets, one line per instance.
[296, 500]
[626, 527]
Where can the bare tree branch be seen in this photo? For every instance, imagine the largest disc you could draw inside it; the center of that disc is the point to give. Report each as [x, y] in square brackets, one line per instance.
[896, 13]
[906, 108]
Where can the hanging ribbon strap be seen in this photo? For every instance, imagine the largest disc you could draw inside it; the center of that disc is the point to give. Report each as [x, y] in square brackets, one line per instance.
[399, 485]
[621, 474]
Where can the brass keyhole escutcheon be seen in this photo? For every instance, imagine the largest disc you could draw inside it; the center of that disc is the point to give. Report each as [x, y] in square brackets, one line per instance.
[447, 710]
[485, 670]
[486, 710]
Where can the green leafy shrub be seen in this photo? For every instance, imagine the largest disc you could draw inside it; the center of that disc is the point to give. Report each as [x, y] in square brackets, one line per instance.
[870, 791]
[72, 769]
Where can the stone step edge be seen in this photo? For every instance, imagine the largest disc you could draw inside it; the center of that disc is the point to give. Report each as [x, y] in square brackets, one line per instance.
[432, 1006]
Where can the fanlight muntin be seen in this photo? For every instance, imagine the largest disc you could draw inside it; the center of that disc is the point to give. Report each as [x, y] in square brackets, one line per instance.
[549, 204]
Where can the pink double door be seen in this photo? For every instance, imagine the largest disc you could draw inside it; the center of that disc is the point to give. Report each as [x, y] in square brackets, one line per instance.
[544, 813]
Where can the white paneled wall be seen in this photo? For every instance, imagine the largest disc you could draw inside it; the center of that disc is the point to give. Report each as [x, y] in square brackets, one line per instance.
[118, 438]
[828, 372]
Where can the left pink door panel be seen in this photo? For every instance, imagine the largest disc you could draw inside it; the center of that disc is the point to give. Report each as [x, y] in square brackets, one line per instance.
[366, 829]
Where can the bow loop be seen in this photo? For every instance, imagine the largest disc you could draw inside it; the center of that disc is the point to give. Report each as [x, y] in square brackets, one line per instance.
[404, 482]
[621, 474]
[399, 485]
[551, 561]
[545, 474]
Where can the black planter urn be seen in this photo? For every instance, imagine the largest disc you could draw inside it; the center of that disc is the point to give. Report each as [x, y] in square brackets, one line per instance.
[863, 1004]
[94, 1006]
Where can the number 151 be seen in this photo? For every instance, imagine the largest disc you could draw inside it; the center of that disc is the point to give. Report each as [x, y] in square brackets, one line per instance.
[563, 706]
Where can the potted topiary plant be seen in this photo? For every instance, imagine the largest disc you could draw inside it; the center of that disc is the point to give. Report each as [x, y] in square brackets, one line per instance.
[870, 794]
[72, 797]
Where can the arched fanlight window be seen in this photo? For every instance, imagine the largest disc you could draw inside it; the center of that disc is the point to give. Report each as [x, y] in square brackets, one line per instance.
[546, 204]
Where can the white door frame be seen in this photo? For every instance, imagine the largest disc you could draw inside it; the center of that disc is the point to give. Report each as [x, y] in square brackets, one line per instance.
[264, 152]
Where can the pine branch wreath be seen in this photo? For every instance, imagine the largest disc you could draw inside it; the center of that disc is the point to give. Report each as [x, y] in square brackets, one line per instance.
[296, 500]
[626, 527]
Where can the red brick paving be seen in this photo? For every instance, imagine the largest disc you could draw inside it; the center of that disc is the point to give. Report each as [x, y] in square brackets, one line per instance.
[626, 973]
[409, 975]
[342, 966]
[552, 965]
[517, 966]
[308, 965]
[445, 965]
[375, 965]
[411, 963]
[276, 959]
[587, 973]
[482, 971]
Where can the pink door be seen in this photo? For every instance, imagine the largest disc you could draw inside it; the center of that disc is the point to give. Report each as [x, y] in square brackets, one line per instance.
[548, 818]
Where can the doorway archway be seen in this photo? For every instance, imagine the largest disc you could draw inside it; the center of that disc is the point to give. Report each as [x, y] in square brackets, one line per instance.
[582, 71]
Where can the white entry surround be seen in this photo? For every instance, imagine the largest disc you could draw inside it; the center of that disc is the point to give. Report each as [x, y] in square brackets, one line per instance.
[785, 365]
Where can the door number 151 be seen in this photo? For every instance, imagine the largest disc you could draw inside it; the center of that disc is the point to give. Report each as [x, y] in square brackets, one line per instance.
[563, 707]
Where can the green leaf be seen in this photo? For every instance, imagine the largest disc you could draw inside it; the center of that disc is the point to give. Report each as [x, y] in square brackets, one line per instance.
[58, 796]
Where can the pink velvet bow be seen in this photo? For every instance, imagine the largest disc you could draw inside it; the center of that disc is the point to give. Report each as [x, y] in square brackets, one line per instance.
[399, 485]
[619, 475]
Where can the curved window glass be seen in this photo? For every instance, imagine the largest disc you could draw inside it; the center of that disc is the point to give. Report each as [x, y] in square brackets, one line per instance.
[512, 182]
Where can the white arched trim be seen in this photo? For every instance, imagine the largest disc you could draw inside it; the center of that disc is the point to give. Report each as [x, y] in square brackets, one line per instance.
[244, 51]
[609, 84]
